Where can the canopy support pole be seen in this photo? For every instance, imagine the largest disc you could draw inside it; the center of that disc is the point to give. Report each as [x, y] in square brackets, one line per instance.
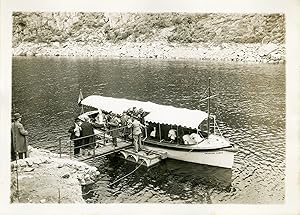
[159, 131]
[177, 134]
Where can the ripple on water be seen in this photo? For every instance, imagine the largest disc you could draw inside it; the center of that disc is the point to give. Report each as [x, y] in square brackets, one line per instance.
[250, 107]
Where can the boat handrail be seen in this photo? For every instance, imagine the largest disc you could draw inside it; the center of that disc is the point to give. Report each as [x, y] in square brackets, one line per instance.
[105, 135]
[106, 131]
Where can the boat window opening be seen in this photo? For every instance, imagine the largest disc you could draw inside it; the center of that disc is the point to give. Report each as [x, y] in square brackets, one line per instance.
[204, 129]
[152, 131]
[199, 132]
[177, 134]
[161, 133]
[164, 131]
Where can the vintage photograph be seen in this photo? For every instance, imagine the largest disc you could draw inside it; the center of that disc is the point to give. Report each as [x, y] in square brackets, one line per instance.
[148, 107]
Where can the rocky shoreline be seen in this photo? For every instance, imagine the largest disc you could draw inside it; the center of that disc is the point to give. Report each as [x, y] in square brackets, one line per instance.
[44, 177]
[247, 53]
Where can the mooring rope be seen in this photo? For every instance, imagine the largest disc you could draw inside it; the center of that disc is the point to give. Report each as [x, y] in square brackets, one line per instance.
[203, 94]
[128, 173]
[117, 179]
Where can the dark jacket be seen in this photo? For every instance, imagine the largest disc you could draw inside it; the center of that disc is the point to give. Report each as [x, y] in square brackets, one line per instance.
[113, 125]
[87, 129]
[18, 137]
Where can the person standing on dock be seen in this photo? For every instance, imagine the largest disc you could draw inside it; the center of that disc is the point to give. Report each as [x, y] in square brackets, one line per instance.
[113, 126]
[18, 137]
[124, 123]
[141, 115]
[75, 131]
[136, 133]
[99, 120]
[87, 133]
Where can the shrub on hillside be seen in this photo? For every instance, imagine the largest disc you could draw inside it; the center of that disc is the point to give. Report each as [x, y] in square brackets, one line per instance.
[181, 27]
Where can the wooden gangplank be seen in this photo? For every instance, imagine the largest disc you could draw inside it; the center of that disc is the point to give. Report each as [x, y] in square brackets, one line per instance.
[103, 150]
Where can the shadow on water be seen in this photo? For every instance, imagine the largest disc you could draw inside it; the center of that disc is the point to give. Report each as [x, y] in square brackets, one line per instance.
[170, 180]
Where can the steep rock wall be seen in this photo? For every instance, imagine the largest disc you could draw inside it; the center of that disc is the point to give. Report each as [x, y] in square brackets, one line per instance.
[88, 34]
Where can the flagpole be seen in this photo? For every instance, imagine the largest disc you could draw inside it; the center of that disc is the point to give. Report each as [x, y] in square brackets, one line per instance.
[82, 111]
[80, 98]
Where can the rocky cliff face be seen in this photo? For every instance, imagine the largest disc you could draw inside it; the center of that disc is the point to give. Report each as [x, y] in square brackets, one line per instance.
[229, 37]
[145, 27]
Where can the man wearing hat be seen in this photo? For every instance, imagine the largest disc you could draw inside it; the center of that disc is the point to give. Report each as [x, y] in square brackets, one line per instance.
[124, 122]
[18, 137]
[75, 131]
[113, 126]
[136, 132]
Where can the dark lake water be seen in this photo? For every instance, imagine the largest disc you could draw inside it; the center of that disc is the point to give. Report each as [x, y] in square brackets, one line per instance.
[250, 109]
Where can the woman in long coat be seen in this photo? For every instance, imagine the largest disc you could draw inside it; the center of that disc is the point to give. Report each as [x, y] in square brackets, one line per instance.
[87, 131]
[18, 136]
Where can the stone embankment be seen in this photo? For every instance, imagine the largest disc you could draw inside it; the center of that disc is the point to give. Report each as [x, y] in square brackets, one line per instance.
[44, 177]
[248, 53]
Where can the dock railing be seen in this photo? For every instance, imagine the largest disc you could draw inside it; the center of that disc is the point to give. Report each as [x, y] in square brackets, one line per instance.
[103, 138]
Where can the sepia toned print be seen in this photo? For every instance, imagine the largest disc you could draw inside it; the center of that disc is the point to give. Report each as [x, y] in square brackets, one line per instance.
[149, 107]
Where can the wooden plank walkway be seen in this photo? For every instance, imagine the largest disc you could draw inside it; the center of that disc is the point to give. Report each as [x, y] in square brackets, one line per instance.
[103, 150]
[124, 149]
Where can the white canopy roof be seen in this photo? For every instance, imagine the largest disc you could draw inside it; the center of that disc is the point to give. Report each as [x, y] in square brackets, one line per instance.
[158, 113]
[116, 105]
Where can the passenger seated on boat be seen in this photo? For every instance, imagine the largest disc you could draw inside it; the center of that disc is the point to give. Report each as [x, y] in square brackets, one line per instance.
[153, 133]
[186, 139]
[196, 138]
[192, 139]
[172, 135]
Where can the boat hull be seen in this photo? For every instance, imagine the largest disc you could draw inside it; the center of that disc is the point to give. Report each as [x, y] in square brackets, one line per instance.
[219, 157]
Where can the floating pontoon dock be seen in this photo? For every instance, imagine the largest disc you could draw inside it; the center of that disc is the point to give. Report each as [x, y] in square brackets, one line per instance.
[126, 151]
[103, 146]
[147, 158]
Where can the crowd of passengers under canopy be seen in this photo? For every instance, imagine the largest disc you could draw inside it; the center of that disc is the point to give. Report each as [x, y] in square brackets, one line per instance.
[163, 132]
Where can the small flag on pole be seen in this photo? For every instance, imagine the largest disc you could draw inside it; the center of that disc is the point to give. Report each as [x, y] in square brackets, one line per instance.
[80, 97]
